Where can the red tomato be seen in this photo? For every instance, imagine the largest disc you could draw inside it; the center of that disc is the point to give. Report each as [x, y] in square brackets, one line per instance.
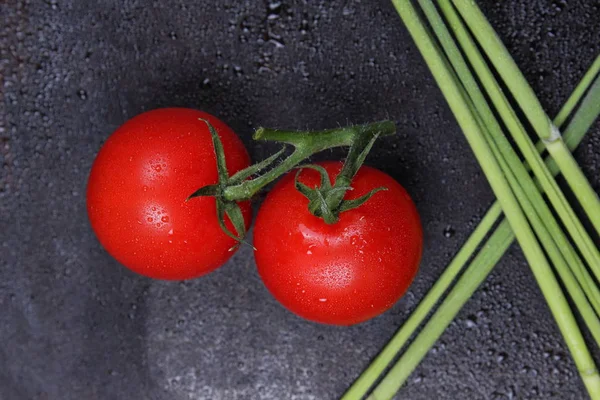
[347, 272]
[137, 189]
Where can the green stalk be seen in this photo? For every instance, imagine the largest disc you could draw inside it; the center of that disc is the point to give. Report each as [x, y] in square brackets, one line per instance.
[473, 276]
[549, 228]
[578, 93]
[531, 248]
[495, 247]
[529, 103]
[547, 237]
[548, 184]
[306, 143]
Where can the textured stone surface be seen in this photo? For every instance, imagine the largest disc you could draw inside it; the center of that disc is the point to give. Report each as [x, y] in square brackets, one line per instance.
[76, 325]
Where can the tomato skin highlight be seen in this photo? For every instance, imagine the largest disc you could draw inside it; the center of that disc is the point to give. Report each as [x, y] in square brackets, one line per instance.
[137, 189]
[347, 272]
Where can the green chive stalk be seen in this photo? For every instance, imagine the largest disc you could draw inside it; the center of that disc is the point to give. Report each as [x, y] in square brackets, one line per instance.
[561, 252]
[529, 103]
[495, 247]
[509, 203]
[558, 200]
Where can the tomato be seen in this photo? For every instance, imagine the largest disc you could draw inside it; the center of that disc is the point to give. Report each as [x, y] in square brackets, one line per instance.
[137, 189]
[347, 272]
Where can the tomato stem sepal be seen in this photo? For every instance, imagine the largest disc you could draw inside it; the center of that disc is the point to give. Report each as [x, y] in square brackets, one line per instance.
[326, 202]
[231, 209]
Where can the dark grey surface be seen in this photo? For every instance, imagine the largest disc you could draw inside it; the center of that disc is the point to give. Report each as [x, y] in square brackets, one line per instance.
[76, 325]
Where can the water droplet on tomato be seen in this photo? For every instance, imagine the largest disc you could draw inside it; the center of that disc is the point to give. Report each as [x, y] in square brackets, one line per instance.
[170, 232]
[309, 252]
[149, 219]
[158, 225]
[170, 241]
[153, 208]
[157, 168]
[165, 219]
[322, 300]
[145, 188]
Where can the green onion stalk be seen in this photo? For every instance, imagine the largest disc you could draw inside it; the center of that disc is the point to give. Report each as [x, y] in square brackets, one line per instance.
[573, 273]
[529, 103]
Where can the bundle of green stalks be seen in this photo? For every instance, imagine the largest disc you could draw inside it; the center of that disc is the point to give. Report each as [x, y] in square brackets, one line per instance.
[471, 66]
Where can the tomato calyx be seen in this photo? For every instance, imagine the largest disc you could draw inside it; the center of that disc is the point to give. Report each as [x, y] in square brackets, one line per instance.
[224, 207]
[326, 202]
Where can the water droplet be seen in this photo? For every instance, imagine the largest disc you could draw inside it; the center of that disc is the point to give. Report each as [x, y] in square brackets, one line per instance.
[149, 219]
[448, 231]
[153, 208]
[145, 188]
[308, 252]
[158, 225]
[170, 232]
[157, 168]
[139, 222]
[471, 322]
[322, 300]
[165, 219]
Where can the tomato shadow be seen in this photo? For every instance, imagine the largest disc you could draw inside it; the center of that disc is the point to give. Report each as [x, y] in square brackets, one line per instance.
[115, 337]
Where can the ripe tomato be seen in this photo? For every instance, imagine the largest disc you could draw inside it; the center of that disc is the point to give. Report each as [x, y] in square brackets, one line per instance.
[347, 272]
[137, 189]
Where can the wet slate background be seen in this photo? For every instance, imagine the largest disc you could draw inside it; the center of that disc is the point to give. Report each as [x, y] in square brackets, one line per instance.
[76, 325]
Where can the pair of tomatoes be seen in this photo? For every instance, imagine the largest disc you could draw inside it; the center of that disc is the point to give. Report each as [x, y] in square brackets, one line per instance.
[343, 273]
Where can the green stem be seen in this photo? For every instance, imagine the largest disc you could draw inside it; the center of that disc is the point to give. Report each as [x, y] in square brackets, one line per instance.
[529, 103]
[305, 145]
[548, 235]
[531, 248]
[491, 252]
[574, 99]
[517, 174]
[543, 174]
